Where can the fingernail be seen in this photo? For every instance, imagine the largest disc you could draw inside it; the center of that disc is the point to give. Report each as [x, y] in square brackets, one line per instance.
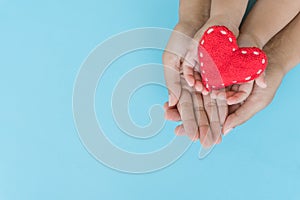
[205, 92]
[228, 131]
[262, 84]
[265, 84]
[179, 131]
[198, 88]
[231, 102]
[190, 82]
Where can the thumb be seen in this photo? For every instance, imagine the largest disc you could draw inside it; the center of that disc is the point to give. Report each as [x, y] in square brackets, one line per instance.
[241, 115]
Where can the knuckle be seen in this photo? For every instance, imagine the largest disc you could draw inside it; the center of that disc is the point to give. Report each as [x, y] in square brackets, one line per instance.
[191, 130]
[199, 109]
[186, 104]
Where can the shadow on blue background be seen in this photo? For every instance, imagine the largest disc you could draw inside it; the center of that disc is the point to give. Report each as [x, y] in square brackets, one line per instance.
[42, 45]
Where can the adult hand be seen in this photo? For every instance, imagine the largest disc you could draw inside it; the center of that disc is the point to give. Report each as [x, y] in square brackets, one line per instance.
[283, 52]
[199, 114]
[192, 15]
[184, 103]
[209, 113]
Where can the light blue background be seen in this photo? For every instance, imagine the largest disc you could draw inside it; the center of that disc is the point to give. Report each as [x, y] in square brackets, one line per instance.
[42, 45]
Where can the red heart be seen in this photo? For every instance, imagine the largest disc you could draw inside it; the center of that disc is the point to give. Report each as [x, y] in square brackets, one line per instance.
[223, 63]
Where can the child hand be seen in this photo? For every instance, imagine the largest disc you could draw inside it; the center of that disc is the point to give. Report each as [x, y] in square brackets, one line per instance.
[223, 13]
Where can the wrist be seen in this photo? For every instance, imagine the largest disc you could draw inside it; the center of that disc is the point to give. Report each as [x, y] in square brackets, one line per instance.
[190, 25]
[193, 21]
[194, 13]
[224, 20]
[248, 40]
[282, 61]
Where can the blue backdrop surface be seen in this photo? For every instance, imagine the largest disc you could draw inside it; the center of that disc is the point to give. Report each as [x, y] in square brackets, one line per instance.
[42, 46]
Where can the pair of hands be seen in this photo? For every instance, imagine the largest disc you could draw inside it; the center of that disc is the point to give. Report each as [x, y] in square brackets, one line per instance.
[204, 116]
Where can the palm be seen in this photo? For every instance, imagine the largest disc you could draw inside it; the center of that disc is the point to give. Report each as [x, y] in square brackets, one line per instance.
[258, 100]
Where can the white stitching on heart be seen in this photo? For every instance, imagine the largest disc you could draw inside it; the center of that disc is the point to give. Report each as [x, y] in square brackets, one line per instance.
[233, 49]
[210, 31]
[248, 78]
[259, 71]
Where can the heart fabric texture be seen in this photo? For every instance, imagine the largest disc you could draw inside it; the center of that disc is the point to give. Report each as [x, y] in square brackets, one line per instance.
[223, 63]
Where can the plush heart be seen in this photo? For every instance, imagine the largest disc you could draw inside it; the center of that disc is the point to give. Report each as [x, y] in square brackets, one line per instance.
[223, 63]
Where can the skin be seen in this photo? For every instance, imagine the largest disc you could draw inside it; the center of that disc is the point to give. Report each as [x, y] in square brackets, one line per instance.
[257, 32]
[201, 121]
[182, 98]
[280, 64]
[192, 16]
[220, 14]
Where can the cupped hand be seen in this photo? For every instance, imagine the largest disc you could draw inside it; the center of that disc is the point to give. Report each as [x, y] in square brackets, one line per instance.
[192, 15]
[184, 102]
[283, 52]
[222, 13]
[201, 116]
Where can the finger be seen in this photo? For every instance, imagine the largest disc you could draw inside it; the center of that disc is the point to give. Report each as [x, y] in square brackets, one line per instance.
[166, 106]
[171, 64]
[200, 114]
[232, 90]
[198, 83]
[233, 108]
[211, 109]
[222, 94]
[214, 94]
[241, 115]
[186, 110]
[242, 94]
[179, 130]
[221, 104]
[189, 64]
[172, 115]
[222, 110]
[176, 49]
[260, 81]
